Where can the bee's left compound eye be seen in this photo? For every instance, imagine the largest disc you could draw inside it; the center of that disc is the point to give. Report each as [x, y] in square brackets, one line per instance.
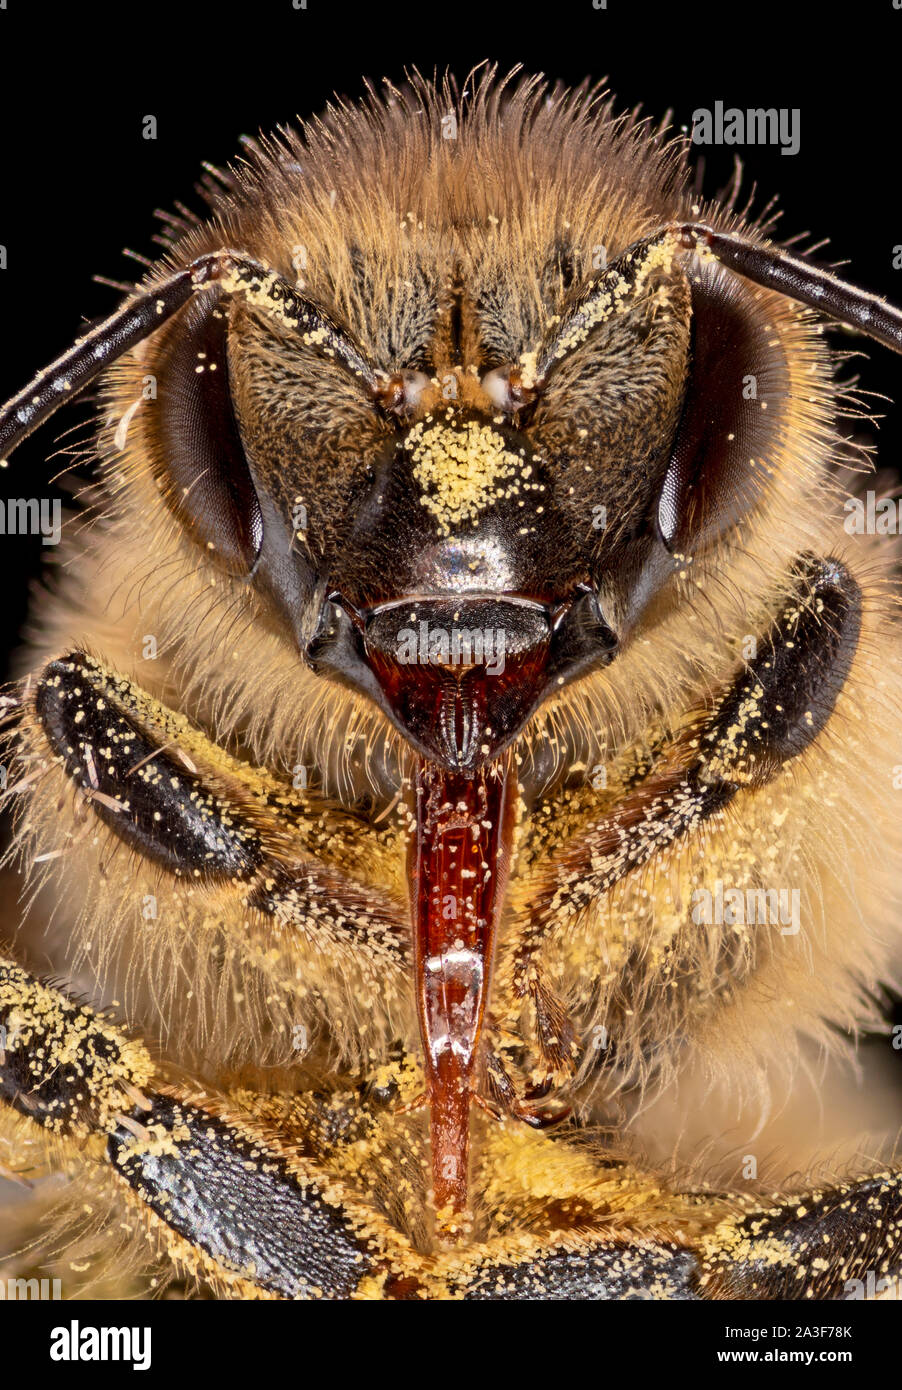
[200, 454]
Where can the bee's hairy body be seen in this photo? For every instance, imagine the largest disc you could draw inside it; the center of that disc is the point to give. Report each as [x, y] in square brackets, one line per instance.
[267, 962]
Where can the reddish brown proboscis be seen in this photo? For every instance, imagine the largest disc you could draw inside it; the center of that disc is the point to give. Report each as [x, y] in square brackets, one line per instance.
[458, 866]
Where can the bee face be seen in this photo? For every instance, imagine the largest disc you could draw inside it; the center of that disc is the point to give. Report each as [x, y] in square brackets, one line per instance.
[464, 443]
[487, 454]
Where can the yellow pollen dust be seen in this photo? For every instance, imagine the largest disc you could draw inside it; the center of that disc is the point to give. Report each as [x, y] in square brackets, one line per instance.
[463, 468]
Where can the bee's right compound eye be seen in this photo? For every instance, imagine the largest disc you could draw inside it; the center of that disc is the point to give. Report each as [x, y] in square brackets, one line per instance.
[199, 454]
[735, 413]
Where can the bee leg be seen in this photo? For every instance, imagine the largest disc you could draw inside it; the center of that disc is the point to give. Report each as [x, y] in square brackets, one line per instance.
[772, 712]
[843, 1241]
[180, 802]
[232, 1205]
[248, 1215]
[591, 1269]
[503, 1098]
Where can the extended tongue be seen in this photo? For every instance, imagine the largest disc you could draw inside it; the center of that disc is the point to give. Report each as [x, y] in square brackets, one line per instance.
[458, 866]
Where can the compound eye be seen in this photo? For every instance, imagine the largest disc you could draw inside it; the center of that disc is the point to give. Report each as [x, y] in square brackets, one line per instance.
[200, 454]
[734, 415]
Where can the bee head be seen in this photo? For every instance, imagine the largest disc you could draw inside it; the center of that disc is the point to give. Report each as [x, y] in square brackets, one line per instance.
[457, 429]
[465, 527]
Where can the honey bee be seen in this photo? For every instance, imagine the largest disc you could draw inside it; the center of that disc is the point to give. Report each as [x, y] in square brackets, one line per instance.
[464, 722]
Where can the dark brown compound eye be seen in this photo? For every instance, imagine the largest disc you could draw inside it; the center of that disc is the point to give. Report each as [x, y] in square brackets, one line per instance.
[734, 415]
[200, 453]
